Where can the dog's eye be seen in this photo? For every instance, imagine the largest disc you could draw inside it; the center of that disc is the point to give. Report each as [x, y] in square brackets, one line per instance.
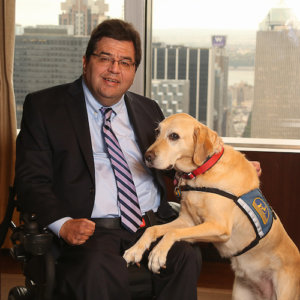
[173, 136]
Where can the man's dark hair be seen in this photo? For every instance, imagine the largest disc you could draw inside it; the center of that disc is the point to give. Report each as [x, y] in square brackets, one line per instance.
[118, 30]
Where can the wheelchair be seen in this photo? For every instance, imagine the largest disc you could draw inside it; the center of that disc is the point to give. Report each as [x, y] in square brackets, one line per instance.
[33, 247]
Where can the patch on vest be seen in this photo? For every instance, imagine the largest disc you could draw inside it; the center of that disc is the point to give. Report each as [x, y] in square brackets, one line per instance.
[257, 208]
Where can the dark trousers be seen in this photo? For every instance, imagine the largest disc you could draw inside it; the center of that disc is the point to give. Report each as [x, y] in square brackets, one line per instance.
[97, 270]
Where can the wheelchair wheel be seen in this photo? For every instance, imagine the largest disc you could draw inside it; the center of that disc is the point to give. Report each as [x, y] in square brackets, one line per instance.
[19, 293]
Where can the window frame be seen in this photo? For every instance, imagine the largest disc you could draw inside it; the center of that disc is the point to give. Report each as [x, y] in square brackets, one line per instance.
[139, 13]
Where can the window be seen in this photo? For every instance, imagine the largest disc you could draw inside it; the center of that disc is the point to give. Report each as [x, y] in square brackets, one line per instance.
[49, 46]
[234, 65]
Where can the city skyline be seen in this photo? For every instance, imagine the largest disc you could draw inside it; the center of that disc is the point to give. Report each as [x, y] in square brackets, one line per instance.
[200, 14]
[214, 98]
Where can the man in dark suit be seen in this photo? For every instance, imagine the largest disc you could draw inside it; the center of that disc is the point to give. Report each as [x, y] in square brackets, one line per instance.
[64, 173]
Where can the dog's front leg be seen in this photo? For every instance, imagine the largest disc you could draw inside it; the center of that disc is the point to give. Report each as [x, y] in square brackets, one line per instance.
[158, 256]
[205, 232]
[135, 253]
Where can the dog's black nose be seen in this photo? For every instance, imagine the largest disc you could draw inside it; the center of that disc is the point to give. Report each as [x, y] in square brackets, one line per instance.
[149, 157]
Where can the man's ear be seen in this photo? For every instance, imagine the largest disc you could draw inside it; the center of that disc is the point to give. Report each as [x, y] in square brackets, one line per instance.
[84, 63]
[207, 142]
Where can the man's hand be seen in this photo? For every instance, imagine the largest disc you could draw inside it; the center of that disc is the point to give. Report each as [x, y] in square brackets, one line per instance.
[77, 231]
[256, 165]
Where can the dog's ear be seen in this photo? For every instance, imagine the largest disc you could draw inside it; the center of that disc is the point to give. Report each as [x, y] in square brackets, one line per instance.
[207, 142]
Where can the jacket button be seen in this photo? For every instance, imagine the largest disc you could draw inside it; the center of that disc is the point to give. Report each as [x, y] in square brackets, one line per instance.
[92, 190]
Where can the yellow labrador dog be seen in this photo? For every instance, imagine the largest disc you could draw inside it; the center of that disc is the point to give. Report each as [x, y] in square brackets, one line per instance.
[221, 203]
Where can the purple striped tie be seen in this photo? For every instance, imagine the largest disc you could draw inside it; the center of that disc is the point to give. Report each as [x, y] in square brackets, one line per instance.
[131, 216]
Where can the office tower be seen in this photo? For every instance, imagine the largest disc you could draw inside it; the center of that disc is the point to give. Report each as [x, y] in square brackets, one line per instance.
[276, 107]
[171, 95]
[83, 15]
[241, 97]
[45, 56]
[183, 63]
[200, 72]
[221, 108]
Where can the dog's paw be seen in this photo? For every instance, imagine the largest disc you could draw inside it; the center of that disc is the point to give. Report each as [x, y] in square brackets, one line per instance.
[133, 255]
[157, 260]
[158, 257]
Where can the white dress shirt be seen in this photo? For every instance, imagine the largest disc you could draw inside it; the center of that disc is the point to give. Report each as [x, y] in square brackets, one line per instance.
[106, 203]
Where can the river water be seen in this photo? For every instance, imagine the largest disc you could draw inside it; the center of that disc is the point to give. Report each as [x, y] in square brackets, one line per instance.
[241, 74]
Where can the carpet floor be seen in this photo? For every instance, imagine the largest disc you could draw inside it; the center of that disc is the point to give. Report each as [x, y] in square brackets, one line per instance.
[7, 281]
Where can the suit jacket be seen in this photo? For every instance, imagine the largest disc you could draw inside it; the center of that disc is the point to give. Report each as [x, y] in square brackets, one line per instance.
[55, 175]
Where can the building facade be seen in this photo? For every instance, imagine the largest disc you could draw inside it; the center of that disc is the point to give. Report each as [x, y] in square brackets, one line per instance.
[276, 107]
[44, 59]
[83, 15]
[202, 71]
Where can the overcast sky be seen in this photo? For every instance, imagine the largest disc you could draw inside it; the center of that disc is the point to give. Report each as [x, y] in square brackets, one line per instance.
[45, 12]
[229, 14]
[226, 14]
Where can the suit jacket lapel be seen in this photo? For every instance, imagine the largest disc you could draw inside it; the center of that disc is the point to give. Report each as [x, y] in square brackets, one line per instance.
[78, 114]
[135, 118]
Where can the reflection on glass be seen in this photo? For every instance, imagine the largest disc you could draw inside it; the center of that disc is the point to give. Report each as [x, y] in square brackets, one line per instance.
[233, 65]
[51, 38]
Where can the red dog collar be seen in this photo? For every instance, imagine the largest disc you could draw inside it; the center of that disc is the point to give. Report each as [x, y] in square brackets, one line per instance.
[206, 166]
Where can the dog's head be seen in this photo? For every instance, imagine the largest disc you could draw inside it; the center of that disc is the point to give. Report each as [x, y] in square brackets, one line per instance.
[182, 143]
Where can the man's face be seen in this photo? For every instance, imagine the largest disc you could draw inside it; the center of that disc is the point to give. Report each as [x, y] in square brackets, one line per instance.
[106, 80]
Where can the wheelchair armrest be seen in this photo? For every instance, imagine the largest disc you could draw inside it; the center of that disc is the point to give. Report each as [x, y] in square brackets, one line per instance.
[33, 246]
[175, 206]
[37, 244]
[29, 239]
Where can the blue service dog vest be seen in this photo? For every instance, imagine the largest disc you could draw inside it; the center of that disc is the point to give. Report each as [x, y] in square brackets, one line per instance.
[258, 211]
[253, 204]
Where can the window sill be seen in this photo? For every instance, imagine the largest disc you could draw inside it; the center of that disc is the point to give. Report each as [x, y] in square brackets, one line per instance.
[263, 145]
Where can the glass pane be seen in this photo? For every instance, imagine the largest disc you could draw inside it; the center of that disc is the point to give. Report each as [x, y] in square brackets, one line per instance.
[234, 65]
[51, 37]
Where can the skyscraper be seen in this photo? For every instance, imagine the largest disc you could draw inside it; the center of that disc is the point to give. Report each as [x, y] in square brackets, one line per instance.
[44, 57]
[183, 63]
[220, 106]
[202, 72]
[276, 107]
[49, 55]
[83, 15]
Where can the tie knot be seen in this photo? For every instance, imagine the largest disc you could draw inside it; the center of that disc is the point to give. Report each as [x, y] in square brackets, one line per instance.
[106, 112]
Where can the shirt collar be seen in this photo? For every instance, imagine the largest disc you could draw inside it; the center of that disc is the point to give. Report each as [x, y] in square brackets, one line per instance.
[93, 106]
